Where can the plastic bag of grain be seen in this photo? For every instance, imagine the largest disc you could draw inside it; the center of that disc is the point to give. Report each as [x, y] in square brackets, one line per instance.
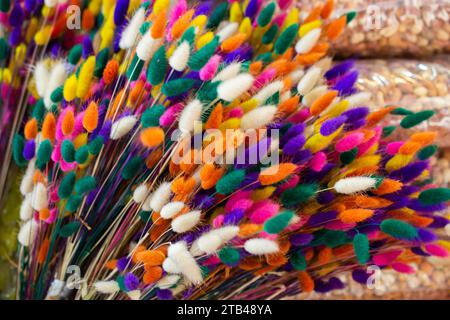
[430, 281]
[411, 84]
[393, 28]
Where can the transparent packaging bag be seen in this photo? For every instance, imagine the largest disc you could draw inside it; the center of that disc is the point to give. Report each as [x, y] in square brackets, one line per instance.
[440, 169]
[414, 85]
[411, 84]
[430, 281]
[393, 28]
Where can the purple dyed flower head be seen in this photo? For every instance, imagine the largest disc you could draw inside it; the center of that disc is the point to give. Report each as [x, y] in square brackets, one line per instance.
[325, 197]
[339, 69]
[409, 172]
[355, 114]
[15, 36]
[416, 205]
[164, 294]
[407, 190]
[192, 75]
[330, 126]
[321, 218]
[420, 252]
[120, 12]
[344, 85]
[91, 196]
[131, 281]
[438, 222]
[243, 53]
[355, 125]
[116, 39]
[16, 15]
[29, 149]
[123, 263]
[397, 201]
[30, 5]
[203, 8]
[251, 179]
[294, 145]
[55, 50]
[301, 239]
[360, 276]
[203, 201]
[234, 216]
[106, 130]
[313, 176]
[251, 9]
[426, 235]
[87, 47]
[336, 283]
[321, 286]
[189, 237]
[302, 156]
[293, 131]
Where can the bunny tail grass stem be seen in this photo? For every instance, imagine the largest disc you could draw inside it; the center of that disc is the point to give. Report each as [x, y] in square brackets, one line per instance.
[17, 118]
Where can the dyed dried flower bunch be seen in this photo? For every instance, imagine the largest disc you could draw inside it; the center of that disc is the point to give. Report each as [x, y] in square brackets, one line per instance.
[116, 186]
